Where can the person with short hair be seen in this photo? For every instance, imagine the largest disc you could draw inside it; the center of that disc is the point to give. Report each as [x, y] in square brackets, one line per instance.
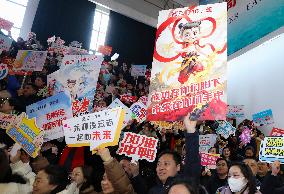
[169, 162]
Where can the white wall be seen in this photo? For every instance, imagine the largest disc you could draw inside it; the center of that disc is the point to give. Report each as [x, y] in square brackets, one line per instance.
[256, 80]
[29, 18]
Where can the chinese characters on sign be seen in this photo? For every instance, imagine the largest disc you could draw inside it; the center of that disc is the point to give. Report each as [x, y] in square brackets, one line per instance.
[139, 110]
[138, 70]
[209, 160]
[246, 135]
[138, 147]
[277, 132]
[5, 24]
[30, 60]
[50, 113]
[206, 142]
[235, 111]
[8, 120]
[263, 118]
[128, 98]
[78, 74]
[128, 112]
[272, 149]
[5, 43]
[225, 129]
[99, 129]
[189, 64]
[105, 50]
[27, 135]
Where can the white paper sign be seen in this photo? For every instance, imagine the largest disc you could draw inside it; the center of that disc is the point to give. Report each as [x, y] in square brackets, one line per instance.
[99, 129]
[128, 112]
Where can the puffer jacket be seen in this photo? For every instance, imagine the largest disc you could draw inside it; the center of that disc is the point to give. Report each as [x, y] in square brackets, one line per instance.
[118, 178]
[226, 190]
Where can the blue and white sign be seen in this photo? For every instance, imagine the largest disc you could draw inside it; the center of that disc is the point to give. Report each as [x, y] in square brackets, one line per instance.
[138, 70]
[50, 113]
[3, 71]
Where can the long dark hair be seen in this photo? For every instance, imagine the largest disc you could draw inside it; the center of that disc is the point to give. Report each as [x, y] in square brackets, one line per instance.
[57, 176]
[6, 175]
[245, 169]
[87, 173]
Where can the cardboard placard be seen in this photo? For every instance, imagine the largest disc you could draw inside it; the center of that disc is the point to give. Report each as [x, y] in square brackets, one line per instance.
[138, 147]
[50, 113]
[97, 130]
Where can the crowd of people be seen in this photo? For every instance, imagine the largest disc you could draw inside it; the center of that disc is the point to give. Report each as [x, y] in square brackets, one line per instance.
[177, 169]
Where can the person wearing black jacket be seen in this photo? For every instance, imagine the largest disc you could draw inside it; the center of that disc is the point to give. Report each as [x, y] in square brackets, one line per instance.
[272, 182]
[168, 167]
[219, 179]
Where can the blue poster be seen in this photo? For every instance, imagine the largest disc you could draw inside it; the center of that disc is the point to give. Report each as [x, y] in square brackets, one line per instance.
[263, 118]
[250, 20]
[50, 113]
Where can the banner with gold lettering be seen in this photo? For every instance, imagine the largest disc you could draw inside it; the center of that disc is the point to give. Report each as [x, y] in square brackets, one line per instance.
[189, 64]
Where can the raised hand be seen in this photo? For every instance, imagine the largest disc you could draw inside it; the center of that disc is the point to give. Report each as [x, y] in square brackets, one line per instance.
[104, 154]
[189, 125]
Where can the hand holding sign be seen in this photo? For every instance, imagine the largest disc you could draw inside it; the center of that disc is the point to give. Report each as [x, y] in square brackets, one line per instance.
[104, 154]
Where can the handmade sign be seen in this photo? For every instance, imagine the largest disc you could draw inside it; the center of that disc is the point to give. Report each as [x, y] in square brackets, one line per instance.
[50, 113]
[30, 60]
[209, 160]
[5, 24]
[76, 51]
[277, 132]
[263, 118]
[27, 135]
[81, 107]
[138, 70]
[54, 87]
[97, 130]
[105, 50]
[246, 135]
[139, 110]
[143, 99]
[79, 75]
[189, 64]
[5, 43]
[206, 142]
[272, 149]
[3, 71]
[128, 112]
[8, 120]
[56, 45]
[168, 125]
[138, 147]
[225, 129]
[235, 111]
[128, 98]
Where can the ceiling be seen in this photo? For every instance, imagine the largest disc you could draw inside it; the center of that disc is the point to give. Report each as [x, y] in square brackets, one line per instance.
[146, 11]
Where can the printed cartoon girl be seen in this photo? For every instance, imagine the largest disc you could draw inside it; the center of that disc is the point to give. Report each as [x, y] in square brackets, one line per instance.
[71, 84]
[189, 33]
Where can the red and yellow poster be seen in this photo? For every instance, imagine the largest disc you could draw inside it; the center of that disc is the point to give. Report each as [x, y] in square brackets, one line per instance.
[189, 64]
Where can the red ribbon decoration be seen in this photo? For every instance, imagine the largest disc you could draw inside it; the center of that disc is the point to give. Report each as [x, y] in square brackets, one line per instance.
[176, 20]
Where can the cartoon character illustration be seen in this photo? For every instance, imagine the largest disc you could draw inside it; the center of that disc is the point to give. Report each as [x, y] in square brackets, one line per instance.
[38, 140]
[189, 33]
[71, 85]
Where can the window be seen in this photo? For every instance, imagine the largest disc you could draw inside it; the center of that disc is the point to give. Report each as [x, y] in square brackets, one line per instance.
[14, 11]
[100, 25]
